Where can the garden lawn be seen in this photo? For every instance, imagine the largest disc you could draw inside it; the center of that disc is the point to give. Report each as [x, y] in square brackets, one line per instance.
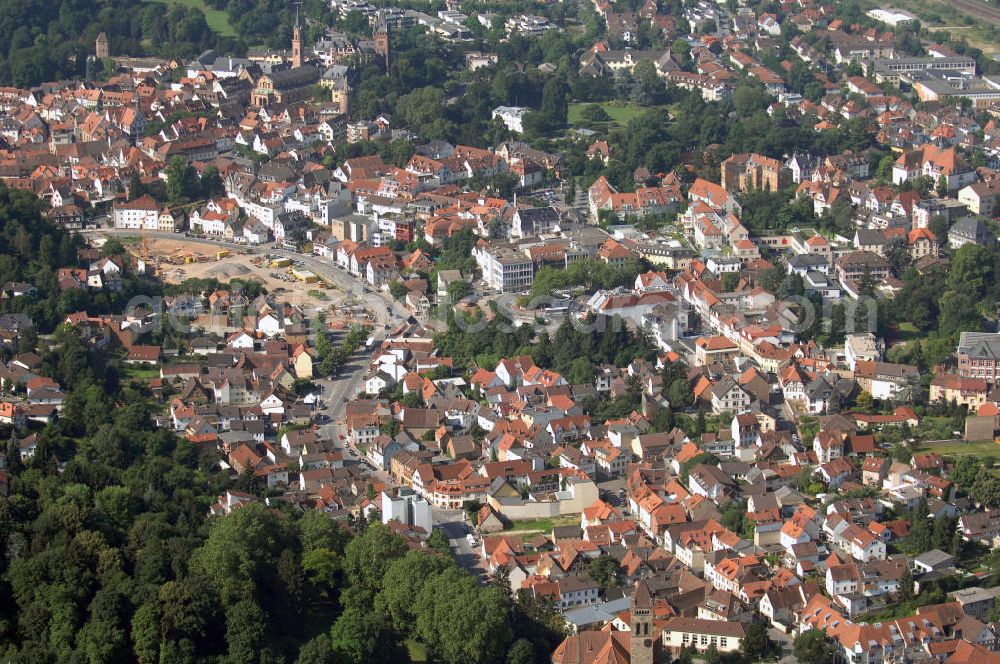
[619, 113]
[416, 650]
[544, 525]
[216, 19]
[141, 372]
[982, 450]
[906, 332]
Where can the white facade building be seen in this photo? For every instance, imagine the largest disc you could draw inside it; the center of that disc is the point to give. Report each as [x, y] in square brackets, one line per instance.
[408, 508]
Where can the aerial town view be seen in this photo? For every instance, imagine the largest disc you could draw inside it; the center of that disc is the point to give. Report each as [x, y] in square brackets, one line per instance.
[499, 332]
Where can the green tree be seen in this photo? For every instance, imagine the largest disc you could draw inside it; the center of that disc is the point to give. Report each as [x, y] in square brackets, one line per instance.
[906, 586]
[884, 170]
[397, 290]
[360, 636]
[733, 515]
[135, 186]
[942, 186]
[182, 181]
[522, 652]
[681, 51]
[594, 113]
[420, 110]
[554, 108]
[317, 650]
[368, 557]
[211, 183]
[246, 627]
[242, 551]
[756, 644]
[581, 372]
[898, 255]
[958, 313]
[404, 579]
[971, 270]
[317, 531]
[812, 647]
[458, 289]
[604, 570]
[104, 637]
[460, 622]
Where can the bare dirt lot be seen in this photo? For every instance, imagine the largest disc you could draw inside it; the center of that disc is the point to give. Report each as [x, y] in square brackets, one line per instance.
[180, 260]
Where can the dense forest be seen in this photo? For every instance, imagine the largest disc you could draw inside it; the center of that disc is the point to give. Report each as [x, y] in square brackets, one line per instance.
[45, 41]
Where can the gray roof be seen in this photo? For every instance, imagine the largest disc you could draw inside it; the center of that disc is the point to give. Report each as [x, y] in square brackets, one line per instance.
[934, 558]
[807, 260]
[979, 345]
[969, 227]
[599, 613]
[868, 237]
[294, 77]
[534, 215]
[967, 595]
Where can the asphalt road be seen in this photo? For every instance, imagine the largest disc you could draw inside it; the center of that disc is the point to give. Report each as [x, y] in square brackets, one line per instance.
[387, 312]
[784, 643]
[336, 391]
[342, 387]
[467, 556]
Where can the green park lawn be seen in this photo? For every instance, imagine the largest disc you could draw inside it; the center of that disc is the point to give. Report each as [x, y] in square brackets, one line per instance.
[216, 19]
[141, 372]
[416, 650]
[619, 113]
[906, 331]
[982, 450]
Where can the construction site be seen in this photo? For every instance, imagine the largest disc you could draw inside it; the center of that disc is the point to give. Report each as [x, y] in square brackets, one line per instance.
[175, 261]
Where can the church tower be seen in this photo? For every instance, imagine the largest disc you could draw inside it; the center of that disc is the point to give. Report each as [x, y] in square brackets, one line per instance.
[102, 49]
[641, 648]
[297, 42]
[383, 43]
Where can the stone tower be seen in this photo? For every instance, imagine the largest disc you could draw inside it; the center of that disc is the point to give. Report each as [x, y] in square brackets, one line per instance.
[297, 42]
[383, 42]
[642, 647]
[102, 50]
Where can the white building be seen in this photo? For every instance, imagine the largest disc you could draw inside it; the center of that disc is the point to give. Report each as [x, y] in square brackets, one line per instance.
[506, 270]
[408, 508]
[699, 634]
[511, 116]
[142, 213]
[891, 16]
[864, 346]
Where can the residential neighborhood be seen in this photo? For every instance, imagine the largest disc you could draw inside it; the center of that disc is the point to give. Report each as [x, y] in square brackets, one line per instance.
[584, 333]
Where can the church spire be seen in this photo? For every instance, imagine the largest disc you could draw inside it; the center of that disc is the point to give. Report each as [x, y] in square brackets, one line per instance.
[297, 41]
